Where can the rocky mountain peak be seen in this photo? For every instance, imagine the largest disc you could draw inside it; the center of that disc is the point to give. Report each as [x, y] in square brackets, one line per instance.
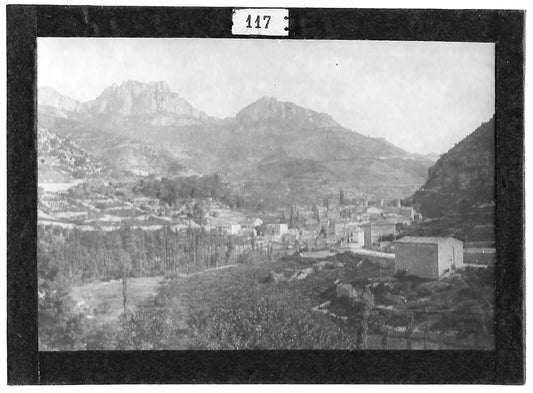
[269, 109]
[134, 98]
[136, 88]
[48, 97]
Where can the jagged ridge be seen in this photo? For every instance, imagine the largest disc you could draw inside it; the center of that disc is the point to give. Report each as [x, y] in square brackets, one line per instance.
[266, 134]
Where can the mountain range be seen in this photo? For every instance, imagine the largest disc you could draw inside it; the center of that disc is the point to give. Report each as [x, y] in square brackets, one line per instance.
[269, 146]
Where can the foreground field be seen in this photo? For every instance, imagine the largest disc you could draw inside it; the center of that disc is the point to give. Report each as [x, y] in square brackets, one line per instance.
[341, 301]
[300, 304]
[241, 309]
[103, 301]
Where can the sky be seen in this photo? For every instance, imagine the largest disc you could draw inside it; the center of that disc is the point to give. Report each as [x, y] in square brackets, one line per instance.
[421, 96]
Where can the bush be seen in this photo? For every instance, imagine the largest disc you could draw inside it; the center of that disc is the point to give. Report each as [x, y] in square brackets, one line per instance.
[60, 326]
[262, 325]
[249, 257]
[144, 329]
[100, 337]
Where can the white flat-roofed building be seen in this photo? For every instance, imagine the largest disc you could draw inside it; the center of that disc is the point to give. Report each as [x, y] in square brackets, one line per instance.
[428, 257]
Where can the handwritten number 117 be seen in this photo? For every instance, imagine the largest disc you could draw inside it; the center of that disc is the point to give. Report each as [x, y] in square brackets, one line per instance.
[257, 21]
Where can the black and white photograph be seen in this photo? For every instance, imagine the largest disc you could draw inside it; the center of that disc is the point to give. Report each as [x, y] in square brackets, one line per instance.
[242, 194]
[232, 195]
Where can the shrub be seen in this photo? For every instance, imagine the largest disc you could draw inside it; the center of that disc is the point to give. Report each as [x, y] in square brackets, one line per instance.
[263, 325]
[144, 329]
[100, 337]
[60, 326]
[248, 257]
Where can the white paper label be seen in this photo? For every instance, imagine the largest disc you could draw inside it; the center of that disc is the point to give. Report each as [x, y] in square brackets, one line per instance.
[257, 21]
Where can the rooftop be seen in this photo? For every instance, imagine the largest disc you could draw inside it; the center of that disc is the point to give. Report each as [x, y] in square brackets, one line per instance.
[425, 239]
[379, 223]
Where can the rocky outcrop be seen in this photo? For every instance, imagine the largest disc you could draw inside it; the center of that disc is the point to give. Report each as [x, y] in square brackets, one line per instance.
[328, 265]
[344, 290]
[301, 274]
[134, 98]
[55, 103]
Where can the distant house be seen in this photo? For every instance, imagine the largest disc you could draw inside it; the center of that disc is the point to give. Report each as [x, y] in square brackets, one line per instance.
[397, 203]
[428, 257]
[407, 212]
[276, 229]
[375, 203]
[249, 226]
[235, 229]
[374, 231]
[226, 226]
[347, 231]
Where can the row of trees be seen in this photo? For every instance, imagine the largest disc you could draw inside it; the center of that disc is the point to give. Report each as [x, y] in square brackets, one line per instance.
[250, 195]
[180, 188]
[85, 256]
[67, 257]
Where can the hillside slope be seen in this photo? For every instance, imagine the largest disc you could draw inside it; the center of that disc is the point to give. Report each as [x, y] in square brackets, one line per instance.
[122, 156]
[461, 179]
[61, 160]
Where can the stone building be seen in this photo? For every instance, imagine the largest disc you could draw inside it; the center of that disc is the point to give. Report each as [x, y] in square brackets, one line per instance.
[374, 232]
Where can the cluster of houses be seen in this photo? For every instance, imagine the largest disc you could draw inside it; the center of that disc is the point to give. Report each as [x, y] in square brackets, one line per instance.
[371, 225]
[360, 226]
[422, 256]
[375, 228]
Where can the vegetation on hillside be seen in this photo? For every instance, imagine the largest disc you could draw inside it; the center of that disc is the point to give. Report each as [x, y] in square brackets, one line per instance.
[242, 308]
[61, 160]
[462, 178]
[71, 257]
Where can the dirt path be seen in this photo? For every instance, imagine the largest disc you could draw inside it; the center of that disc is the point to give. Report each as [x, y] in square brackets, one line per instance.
[185, 275]
[365, 252]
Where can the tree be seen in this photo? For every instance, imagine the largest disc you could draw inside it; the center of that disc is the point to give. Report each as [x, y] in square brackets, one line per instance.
[291, 219]
[198, 214]
[365, 313]
[230, 247]
[60, 326]
[129, 244]
[125, 266]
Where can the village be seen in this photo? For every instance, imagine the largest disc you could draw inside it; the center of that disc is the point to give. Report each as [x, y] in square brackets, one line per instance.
[365, 227]
[421, 286]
